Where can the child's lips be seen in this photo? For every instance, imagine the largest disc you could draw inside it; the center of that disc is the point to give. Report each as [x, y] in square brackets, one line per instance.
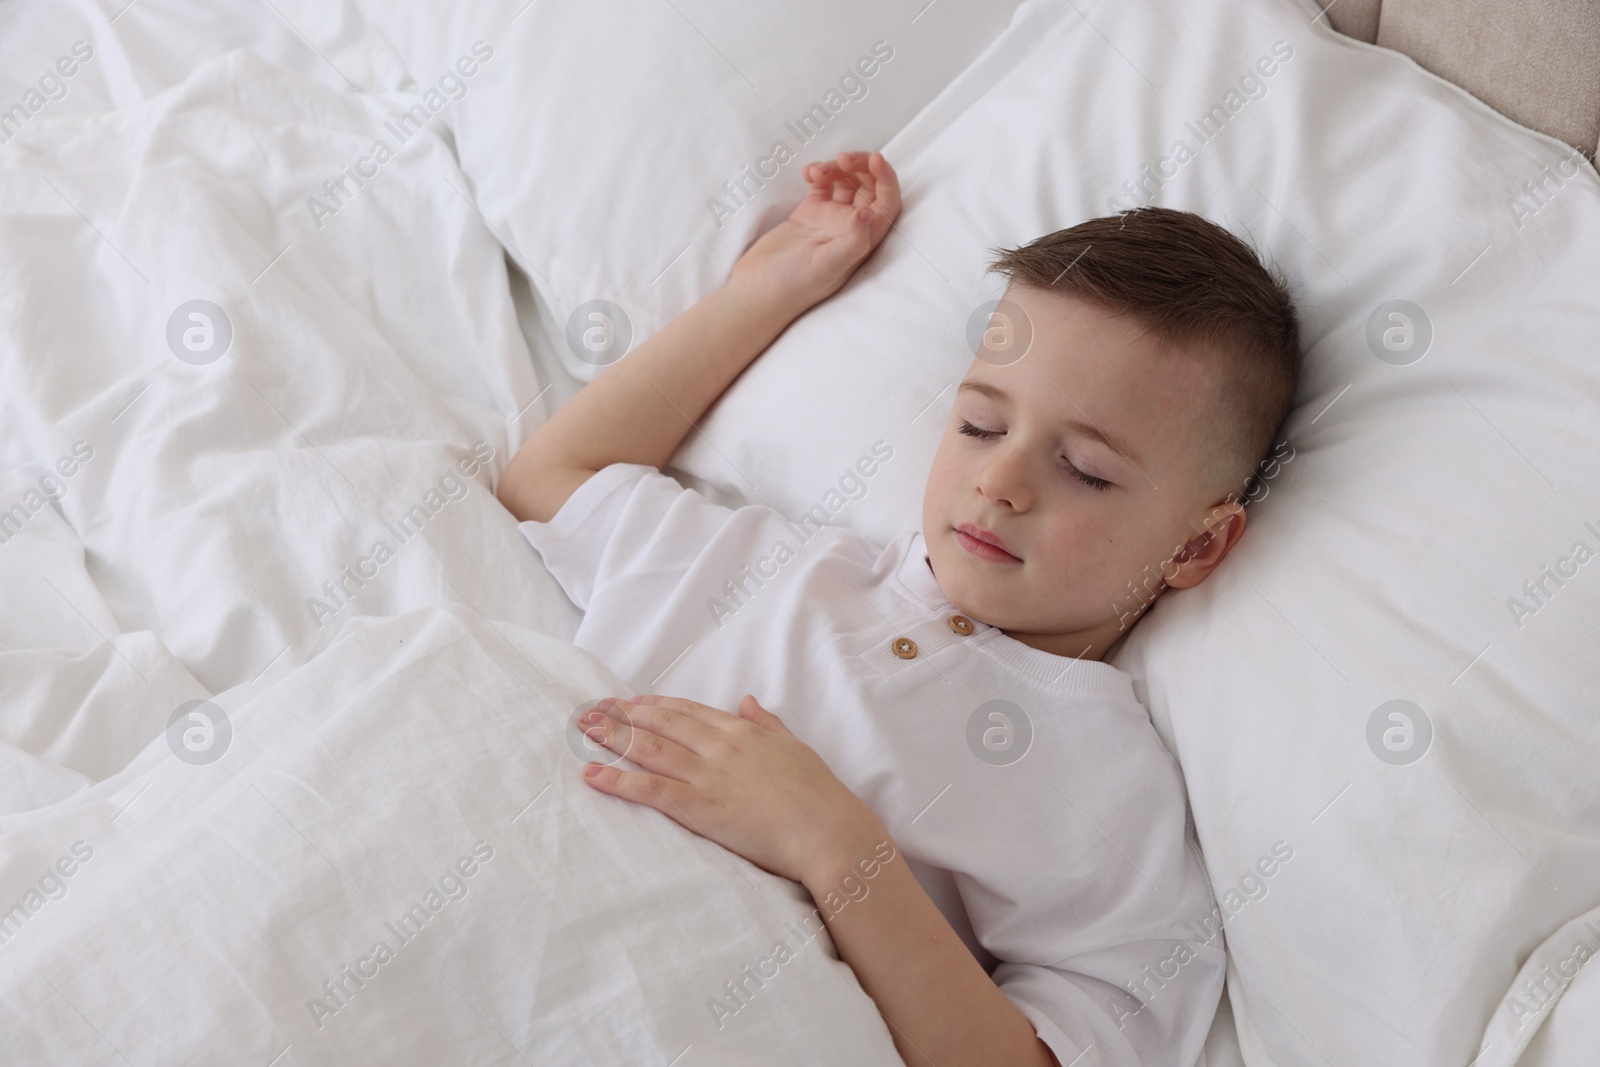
[983, 549]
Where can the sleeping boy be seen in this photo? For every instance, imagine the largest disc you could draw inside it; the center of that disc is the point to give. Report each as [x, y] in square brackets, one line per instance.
[994, 833]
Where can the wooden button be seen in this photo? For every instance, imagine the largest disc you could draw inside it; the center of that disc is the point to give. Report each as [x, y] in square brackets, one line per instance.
[961, 624]
[904, 647]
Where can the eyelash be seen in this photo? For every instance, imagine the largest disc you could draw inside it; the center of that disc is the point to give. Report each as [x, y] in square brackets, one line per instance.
[1087, 479]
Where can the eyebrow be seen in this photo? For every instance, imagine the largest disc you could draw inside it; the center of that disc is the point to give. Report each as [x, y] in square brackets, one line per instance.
[1087, 429]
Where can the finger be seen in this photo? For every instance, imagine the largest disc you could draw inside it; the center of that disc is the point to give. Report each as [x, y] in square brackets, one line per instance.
[713, 717]
[822, 177]
[853, 161]
[872, 222]
[753, 711]
[886, 195]
[886, 185]
[645, 748]
[653, 791]
[846, 186]
[829, 187]
[664, 716]
[857, 169]
[834, 181]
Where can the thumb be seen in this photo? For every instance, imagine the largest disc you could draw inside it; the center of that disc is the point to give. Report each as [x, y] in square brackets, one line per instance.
[754, 712]
[868, 224]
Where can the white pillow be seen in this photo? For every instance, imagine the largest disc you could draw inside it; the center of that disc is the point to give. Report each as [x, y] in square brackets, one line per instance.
[1381, 564]
[598, 137]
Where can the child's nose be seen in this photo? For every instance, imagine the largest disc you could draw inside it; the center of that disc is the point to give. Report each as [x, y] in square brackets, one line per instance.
[1006, 479]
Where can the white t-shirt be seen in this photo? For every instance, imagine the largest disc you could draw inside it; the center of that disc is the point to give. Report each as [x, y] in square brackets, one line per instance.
[1054, 837]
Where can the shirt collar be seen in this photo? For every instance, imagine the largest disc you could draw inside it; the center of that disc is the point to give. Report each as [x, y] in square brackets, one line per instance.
[1060, 674]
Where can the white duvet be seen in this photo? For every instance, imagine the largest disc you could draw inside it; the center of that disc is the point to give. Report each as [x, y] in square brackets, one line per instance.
[395, 861]
[288, 776]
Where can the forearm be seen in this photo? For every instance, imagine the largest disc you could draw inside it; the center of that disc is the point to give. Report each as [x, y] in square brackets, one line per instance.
[639, 409]
[942, 1008]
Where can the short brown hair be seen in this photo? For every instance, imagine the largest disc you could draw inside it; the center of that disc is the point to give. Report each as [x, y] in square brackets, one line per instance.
[1192, 283]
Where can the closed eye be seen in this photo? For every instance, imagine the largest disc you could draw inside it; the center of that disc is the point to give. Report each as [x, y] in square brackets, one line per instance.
[1087, 479]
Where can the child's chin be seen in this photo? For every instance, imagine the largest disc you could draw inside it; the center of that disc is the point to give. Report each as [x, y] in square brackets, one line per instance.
[971, 597]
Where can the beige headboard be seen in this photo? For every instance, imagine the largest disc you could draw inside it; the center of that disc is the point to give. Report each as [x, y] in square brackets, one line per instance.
[1535, 61]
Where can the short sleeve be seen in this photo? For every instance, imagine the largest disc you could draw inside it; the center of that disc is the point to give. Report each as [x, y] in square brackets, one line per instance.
[628, 538]
[574, 540]
[1167, 1023]
[648, 562]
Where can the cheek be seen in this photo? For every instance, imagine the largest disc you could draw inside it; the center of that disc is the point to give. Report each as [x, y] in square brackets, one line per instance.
[943, 477]
[1090, 553]
[1079, 547]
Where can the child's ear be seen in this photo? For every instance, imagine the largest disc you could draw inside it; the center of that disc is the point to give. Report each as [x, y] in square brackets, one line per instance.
[1197, 559]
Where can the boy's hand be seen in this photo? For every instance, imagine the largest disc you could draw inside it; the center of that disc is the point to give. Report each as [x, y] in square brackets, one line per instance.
[742, 781]
[807, 257]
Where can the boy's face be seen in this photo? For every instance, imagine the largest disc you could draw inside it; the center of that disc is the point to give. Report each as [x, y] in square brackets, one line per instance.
[1094, 392]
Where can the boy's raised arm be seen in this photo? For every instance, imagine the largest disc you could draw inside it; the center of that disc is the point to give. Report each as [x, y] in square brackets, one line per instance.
[640, 409]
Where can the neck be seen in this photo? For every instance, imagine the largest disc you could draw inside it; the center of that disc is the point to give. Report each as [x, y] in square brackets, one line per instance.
[1096, 643]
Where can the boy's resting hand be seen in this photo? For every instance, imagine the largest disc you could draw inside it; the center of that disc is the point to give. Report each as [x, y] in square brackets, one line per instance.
[851, 204]
[744, 781]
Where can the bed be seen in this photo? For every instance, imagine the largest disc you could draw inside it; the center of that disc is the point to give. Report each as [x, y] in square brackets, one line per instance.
[286, 701]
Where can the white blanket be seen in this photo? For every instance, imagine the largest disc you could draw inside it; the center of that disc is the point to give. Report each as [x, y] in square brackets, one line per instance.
[192, 509]
[395, 861]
